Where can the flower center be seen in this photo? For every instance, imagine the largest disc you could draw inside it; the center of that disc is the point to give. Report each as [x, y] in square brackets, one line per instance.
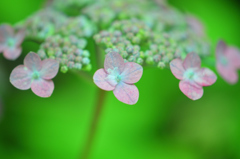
[35, 75]
[223, 60]
[118, 78]
[190, 74]
[10, 42]
[114, 76]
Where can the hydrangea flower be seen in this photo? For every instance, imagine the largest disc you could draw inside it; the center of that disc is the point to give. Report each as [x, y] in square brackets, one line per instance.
[228, 61]
[119, 77]
[10, 42]
[35, 74]
[192, 77]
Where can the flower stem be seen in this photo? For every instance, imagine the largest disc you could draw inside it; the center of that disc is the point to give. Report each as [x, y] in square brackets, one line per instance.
[84, 75]
[94, 124]
[98, 109]
[37, 41]
[99, 57]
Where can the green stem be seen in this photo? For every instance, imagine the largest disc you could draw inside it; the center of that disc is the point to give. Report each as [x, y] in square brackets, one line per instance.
[84, 75]
[97, 114]
[95, 121]
[99, 57]
[33, 40]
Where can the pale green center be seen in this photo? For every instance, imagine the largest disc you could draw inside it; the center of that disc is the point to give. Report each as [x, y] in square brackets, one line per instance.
[223, 60]
[114, 76]
[11, 42]
[190, 74]
[118, 78]
[35, 75]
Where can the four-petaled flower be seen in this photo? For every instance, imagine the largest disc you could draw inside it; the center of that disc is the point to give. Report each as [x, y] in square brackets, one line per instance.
[10, 42]
[192, 77]
[119, 77]
[228, 62]
[35, 74]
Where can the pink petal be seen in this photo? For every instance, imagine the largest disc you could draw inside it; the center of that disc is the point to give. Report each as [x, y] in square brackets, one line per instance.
[192, 60]
[191, 91]
[233, 55]
[196, 25]
[206, 77]
[49, 69]
[113, 60]
[221, 48]
[42, 87]
[6, 31]
[21, 77]
[33, 61]
[12, 53]
[2, 47]
[228, 73]
[126, 93]
[177, 69]
[100, 80]
[132, 73]
[19, 37]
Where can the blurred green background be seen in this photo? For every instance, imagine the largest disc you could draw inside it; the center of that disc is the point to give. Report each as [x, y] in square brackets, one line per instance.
[164, 124]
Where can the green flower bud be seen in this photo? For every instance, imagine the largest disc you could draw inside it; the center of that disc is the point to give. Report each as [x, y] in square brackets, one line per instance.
[64, 69]
[161, 65]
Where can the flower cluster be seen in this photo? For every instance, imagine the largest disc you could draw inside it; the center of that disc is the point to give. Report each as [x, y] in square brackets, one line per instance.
[42, 24]
[125, 37]
[135, 41]
[79, 26]
[168, 46]
[164, 18]
[195, 25]
[154, 38]
[174, 36]
[104, 12]
[130, 33]
[64, 38]
[68, 51]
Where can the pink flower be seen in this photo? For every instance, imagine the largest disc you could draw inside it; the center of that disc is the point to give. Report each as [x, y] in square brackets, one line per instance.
[35, 74]
[192, 77]
[228, 61]
[119, 77]
[10, 42]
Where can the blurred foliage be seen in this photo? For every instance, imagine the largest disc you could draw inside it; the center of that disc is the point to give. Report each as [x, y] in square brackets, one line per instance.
[163, 124]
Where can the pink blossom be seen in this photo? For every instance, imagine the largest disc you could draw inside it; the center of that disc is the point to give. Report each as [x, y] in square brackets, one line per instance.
[10, 42]
[35, 74]
[119, 77]
[228, 62]
[192, 76]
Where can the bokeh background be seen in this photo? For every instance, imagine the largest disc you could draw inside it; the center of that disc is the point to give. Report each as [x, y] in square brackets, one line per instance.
[164, 124]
